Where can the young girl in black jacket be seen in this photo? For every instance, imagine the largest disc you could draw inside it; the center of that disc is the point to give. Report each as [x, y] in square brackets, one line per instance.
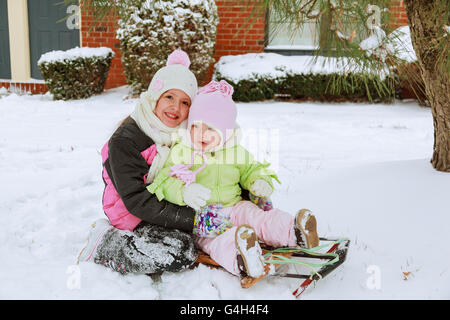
[142, 234]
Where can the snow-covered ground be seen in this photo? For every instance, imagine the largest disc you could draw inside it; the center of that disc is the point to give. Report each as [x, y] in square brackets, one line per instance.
[363, 169]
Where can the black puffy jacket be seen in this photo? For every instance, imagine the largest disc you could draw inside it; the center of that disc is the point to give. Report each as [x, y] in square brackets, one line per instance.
[126, 168]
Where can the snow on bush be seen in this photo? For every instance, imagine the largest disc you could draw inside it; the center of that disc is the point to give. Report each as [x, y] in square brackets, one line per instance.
[76, 73]
[259, 76]
[397, 43]
[273, 65]
[402, 45]
[75, 53]
[150, 30]
[396, 48]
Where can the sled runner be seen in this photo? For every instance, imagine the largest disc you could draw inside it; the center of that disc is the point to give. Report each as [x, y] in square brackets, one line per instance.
[291, 262]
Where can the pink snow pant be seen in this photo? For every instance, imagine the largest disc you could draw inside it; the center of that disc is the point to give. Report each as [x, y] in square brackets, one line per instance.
[274, 228]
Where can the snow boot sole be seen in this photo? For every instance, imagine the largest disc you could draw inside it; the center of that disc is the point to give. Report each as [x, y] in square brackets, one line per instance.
[306, 229]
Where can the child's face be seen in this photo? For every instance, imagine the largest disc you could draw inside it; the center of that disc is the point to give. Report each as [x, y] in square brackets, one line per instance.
[204, 137]
[172, 107]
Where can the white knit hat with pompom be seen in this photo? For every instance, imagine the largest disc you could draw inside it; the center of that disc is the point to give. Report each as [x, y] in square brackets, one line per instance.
[175, 75]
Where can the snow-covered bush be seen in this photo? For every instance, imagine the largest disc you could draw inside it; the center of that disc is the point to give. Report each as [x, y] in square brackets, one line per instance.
[396, 49]
[76, 73]
[259, 76]
[149, 30]
[397, 43]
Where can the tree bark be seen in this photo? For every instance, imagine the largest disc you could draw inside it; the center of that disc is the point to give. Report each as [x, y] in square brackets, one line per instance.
[426, 19]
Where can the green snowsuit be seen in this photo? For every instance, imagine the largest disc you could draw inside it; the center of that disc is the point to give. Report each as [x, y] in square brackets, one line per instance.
[226, 172]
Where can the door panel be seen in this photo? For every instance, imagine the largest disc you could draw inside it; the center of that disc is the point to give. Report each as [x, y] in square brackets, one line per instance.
[47, 33]
[5, 62]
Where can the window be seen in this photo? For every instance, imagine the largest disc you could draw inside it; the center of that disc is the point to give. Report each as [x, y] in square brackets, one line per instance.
[281, 37]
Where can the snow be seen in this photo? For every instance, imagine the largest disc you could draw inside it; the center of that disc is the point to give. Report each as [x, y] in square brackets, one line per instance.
[362, 168]
[272, 65]
[397, 43]
[252, 256]
[402, 45]
[374, 40]
[75, 53]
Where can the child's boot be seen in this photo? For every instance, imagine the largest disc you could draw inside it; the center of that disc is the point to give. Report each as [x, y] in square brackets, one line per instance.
[250, 259]
[99, 228]
[305, 228]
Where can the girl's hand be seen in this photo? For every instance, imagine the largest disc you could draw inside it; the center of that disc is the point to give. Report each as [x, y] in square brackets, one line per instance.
[261, 188]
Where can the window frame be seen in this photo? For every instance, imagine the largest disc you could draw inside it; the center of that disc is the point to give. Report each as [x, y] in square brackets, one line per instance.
[287, 50]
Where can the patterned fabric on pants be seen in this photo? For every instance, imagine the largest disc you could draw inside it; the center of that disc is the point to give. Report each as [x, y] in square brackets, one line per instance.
[274, 228]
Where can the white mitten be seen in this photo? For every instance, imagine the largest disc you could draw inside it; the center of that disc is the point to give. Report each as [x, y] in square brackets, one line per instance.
[195, 195]
[261, 188]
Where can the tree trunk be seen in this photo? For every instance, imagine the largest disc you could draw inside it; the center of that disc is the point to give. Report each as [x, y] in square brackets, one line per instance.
[426, 19]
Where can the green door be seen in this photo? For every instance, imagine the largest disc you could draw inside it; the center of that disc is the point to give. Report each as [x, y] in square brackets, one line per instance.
[46, 33]
[5, 63]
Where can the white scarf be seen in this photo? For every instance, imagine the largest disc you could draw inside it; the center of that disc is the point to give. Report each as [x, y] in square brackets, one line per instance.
[163, 136]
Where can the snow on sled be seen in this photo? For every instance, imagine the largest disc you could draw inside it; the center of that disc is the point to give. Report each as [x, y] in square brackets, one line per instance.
[294, 263]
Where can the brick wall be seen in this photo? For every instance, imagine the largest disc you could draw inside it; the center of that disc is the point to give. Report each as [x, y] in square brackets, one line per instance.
[239, 30]
[96, 34]
[234, 36]
[24, 87]
[398, 14]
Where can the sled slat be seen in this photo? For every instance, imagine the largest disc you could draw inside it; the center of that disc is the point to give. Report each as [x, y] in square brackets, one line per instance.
[203, 258]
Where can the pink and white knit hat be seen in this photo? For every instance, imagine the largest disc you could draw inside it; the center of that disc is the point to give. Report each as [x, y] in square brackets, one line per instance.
[175, 75]
[214, 106]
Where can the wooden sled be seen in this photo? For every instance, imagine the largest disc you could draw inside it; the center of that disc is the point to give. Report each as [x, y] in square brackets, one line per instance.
[334, 257]
[246, 282]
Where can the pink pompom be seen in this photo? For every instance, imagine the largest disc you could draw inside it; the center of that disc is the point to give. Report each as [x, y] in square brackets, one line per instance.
[212, 86]
[223, 87]
[179, 57]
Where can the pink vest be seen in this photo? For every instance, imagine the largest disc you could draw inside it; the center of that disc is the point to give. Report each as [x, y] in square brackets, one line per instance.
[113, 205]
